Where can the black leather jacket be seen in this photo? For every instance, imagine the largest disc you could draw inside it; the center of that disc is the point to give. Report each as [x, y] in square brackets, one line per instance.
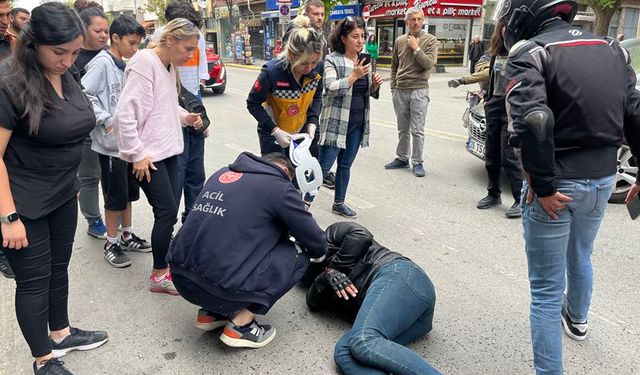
[354, 252]
[586, 86]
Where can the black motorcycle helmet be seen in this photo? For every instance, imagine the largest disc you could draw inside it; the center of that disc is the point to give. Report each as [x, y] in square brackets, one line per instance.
[523, 18]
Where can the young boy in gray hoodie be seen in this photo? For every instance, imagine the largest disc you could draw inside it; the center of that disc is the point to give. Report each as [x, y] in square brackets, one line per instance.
[103, 83]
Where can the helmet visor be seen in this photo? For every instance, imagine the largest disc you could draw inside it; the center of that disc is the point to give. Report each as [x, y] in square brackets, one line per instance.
[501, 10]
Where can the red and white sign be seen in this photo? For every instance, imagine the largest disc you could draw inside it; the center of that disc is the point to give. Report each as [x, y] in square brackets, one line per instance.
[366, 13]
[431, 8]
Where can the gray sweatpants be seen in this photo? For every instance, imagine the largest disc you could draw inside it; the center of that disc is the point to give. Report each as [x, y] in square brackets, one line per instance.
[411, 112]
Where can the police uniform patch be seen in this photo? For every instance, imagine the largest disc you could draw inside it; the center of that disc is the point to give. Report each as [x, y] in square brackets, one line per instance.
[229, 177]
[257, 86]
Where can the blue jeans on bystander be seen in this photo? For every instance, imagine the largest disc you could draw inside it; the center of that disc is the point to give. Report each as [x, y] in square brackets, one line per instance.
[190, 169]
[346, 157]
[559, 254]
[397, 309]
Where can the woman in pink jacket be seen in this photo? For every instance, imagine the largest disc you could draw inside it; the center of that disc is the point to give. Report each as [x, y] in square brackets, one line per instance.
[148, 129]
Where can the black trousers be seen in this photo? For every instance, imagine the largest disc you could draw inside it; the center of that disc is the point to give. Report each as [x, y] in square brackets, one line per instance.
[42, 280]
[161, 194]
[498, 153]
[472, 66]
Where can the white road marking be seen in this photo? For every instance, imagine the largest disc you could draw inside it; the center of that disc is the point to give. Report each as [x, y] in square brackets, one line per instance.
[354, 201]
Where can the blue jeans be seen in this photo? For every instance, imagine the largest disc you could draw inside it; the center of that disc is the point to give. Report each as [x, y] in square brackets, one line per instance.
[89, 176]
[397, 309]
[345, 156]
[559, 249]
[190, 169]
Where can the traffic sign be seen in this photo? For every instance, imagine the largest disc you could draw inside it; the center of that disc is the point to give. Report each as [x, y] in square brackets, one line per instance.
[365, 13]
[285, 9]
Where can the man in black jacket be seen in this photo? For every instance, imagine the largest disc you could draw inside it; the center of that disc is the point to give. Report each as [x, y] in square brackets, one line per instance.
[567, 118]
[475, 53]
[393, 296]
[233, 255]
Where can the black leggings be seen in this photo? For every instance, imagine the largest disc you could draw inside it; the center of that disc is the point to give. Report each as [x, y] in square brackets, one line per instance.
[42, 280]
[161, 193]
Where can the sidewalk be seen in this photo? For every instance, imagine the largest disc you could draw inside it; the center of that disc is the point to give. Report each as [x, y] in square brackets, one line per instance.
[257, 65]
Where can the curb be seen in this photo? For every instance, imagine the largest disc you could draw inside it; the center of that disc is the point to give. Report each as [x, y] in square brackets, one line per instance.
[242, 66]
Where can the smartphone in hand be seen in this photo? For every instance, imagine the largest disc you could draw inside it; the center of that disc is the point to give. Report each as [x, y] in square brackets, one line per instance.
[365, 58]
[634, 207]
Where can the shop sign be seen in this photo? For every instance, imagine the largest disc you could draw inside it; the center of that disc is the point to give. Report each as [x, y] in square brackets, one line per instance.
[431, 8]
[343, 11]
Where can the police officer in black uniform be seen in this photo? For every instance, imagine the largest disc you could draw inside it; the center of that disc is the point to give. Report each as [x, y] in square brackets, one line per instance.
[570, 98]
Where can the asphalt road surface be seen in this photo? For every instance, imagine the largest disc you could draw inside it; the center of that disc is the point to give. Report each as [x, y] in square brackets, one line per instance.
[475, 259]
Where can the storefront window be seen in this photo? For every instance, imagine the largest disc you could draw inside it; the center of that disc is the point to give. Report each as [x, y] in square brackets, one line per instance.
[452, 39]
[385, 38]
[630, 28]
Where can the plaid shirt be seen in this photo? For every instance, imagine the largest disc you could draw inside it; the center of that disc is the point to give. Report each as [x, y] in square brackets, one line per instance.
[336, 103]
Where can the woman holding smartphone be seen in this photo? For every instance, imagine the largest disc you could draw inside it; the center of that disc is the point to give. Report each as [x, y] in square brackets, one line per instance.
[148, 127]
[344, 120]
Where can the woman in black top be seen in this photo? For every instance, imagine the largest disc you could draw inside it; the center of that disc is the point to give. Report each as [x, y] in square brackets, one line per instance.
[44, 117]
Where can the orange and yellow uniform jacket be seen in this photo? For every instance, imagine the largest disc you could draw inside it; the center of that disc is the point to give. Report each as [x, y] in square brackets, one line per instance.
[277, 99]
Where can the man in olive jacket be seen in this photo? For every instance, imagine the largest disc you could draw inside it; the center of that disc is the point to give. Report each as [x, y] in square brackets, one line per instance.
[414, 55]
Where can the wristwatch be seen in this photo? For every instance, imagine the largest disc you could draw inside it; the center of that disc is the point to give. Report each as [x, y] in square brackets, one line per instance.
[10, 218]
[415, 51]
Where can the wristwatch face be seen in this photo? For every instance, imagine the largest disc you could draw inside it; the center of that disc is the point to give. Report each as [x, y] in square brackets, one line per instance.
[9, 218]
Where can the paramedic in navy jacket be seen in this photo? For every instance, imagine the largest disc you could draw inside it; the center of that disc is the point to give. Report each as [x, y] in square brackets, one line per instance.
[233, 256]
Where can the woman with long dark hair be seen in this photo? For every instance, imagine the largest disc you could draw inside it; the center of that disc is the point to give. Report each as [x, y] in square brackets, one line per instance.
[44, 117]
[344, 120]
[148, 127]
[96, 37]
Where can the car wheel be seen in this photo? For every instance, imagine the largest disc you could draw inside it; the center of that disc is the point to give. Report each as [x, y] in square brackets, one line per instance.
[219, 89]
[626, 175]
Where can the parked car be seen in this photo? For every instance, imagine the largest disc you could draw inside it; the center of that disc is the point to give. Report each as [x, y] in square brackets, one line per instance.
[217, 81]
[475, 123]
[473, 119]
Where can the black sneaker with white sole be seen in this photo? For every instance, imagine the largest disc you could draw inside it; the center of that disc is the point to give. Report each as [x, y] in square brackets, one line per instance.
[329, 181]
[114, 255]
[134, 243]
[253, 335]
[78, 340]
[5, 267]
[576, 331]
[51, 367]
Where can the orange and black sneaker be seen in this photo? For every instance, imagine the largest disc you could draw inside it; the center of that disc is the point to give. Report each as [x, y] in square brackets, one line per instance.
[208, 321]
[253, 335]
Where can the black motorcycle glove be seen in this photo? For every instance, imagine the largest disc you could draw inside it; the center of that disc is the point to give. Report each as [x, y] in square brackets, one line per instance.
[337, 279]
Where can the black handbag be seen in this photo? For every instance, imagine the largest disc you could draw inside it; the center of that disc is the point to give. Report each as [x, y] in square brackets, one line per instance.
[192, 104]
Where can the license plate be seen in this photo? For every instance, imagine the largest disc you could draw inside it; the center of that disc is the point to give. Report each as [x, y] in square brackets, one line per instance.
[475, 148]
